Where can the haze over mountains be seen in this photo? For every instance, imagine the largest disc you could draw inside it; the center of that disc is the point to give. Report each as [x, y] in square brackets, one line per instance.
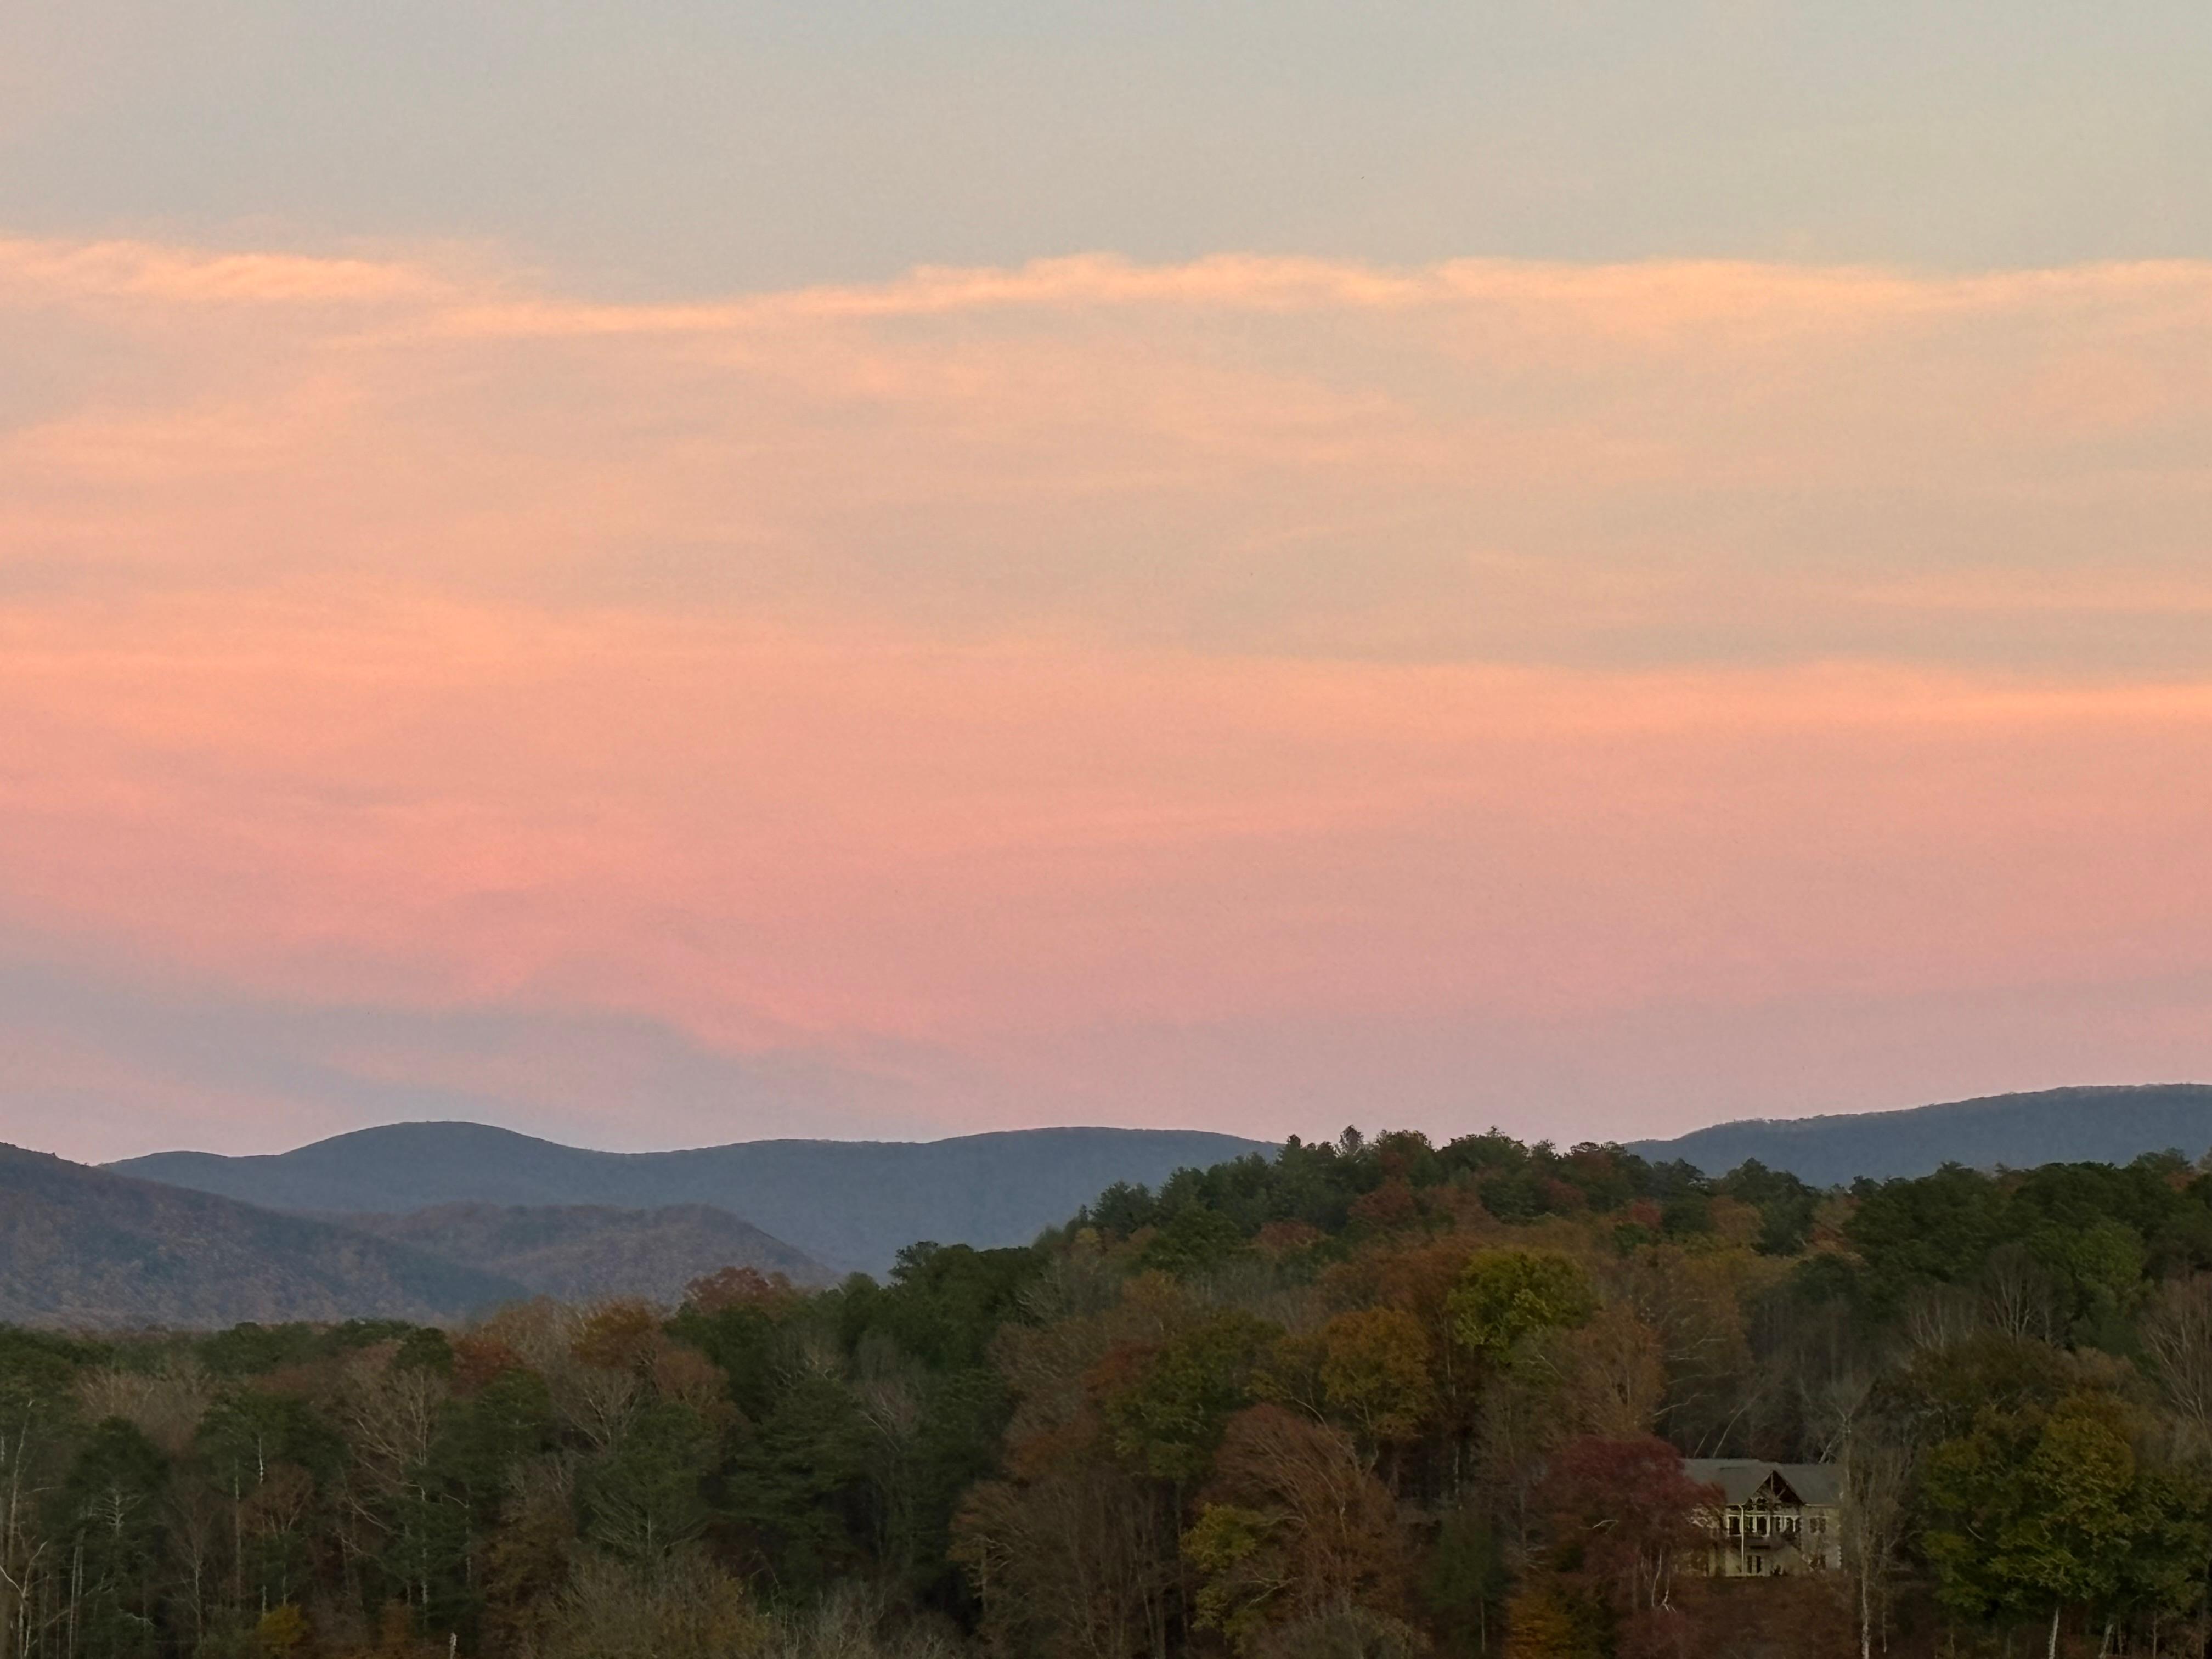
[847, 1205]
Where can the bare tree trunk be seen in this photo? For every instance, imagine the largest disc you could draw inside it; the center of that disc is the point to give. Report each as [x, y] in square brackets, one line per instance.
[2052, 1652]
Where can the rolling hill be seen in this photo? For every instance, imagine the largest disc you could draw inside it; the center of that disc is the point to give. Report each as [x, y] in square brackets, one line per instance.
[2086, 1125]
[846, 1204]
[578, 1253]
[84, 1248]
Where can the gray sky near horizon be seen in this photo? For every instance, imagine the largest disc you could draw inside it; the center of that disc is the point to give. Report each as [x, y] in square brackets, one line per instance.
[676, 147]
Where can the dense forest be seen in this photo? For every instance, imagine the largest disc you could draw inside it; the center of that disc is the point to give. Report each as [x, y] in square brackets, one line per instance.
[1366, 1400]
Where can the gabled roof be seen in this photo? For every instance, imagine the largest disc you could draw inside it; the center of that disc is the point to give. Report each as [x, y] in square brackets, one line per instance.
[1740, 1478]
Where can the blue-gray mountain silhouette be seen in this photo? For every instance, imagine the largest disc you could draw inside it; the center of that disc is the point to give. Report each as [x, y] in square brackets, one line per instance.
[2053, 1126]
[847, 1204]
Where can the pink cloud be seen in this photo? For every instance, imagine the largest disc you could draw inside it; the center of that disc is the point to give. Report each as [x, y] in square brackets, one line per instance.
[971, 679]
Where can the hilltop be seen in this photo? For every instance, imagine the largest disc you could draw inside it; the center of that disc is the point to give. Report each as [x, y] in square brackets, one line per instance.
[2111, 1125]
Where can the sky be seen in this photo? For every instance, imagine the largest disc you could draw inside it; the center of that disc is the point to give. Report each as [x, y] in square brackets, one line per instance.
[682, 573]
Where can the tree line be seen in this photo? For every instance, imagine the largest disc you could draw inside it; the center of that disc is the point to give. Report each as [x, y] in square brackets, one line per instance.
[1363, 1400]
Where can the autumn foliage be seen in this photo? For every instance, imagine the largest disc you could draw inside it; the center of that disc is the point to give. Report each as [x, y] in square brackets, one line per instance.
[1366, 1400]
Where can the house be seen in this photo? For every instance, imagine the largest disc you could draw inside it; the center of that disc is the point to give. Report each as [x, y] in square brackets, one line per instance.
[1773, 1518]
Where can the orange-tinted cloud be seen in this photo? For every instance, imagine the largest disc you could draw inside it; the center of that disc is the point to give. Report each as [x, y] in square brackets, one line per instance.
[1066, 691]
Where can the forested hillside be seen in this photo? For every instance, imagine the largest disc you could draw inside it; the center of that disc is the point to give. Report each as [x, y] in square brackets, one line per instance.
[80, 1247]
[577, 1252]
[1372, 1399]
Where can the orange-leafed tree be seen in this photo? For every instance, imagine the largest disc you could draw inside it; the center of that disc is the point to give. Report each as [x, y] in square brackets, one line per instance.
[737, 1287]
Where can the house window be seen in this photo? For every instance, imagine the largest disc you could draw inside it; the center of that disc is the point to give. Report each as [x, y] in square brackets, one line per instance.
[1734, 1522]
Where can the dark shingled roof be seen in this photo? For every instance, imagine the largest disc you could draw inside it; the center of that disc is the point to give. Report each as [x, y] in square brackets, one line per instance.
[1740, 1477]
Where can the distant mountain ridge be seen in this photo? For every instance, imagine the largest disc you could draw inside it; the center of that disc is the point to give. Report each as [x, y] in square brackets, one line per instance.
[84, 1247]
[436, 1221]
[2107, 1125]
[846, 1204]
[582, 1252]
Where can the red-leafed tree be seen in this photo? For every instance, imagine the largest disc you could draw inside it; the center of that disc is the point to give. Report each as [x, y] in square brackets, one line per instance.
[1623, 1516]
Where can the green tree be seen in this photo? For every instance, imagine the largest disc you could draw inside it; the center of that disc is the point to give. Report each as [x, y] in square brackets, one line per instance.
[37, 1418]
[1504, 1295]
[1467, 1577]
[1225, 1546]
[643, 1498]
[946, 1302]
[1935, 1228]
[2036, 1509]
[482, 1439]
[1167, 1417]
[269, 1455]
[797, 1485]
[1196, 1237]
[109, 1511]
